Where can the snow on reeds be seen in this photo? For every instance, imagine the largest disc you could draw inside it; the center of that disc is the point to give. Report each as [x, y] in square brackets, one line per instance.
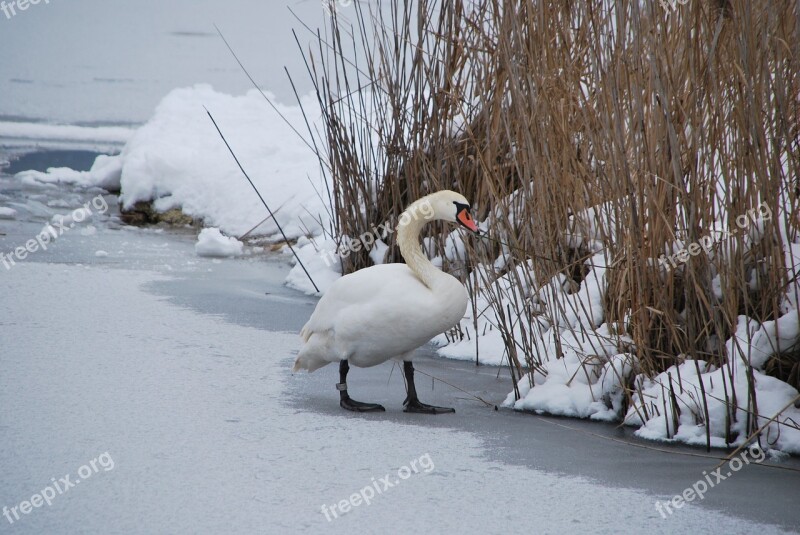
[636, 172]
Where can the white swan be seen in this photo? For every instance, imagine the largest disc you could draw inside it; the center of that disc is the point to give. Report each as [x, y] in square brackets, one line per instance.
[387, 311]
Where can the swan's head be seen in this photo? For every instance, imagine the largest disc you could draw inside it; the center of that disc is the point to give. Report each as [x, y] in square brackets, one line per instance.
[451, 206]
[445, 205]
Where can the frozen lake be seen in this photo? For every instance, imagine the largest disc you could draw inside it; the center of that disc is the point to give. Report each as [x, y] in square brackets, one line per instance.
[105, 66]
[95, 62]
[161, 380]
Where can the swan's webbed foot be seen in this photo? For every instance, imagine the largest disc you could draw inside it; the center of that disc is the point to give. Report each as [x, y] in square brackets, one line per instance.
[345, 401]
[415, 405]
[412, 402]
[358, 406]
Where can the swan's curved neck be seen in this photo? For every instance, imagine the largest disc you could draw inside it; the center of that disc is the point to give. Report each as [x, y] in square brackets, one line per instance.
[411, 223]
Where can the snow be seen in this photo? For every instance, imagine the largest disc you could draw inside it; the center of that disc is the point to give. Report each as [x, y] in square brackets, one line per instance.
[178, 160]
[7, 213]
[659, 411]
[754, 344]
[589, 388]
[212, 243]
[322, 262]
[575, 309]
[378, 252]
[585, 373]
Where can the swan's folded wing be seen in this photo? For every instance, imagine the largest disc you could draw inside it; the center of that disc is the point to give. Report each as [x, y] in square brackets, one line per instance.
[376, 291]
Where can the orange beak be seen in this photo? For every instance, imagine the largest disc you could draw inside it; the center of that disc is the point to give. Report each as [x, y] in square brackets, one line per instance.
[465, 219]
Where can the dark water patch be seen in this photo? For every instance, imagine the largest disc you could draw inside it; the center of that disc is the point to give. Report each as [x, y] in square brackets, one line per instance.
[20, 81]
[100, 124]
[80, 160]
[20, 119]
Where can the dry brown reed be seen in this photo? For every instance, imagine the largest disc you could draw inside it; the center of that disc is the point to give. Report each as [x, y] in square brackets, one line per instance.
[665, 120]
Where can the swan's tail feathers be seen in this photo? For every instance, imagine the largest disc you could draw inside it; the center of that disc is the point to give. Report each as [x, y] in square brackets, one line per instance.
[315, 353]
[305, 333]
[304, 362]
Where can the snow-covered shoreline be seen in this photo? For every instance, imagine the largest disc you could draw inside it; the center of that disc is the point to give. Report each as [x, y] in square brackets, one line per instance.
[177, 160]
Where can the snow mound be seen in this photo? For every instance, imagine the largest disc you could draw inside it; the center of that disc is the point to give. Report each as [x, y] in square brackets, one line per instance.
[178, 160]
[590, 377]
[670, 406]
[320, 259]
[212, 243]
[583, 307]
[7, 213]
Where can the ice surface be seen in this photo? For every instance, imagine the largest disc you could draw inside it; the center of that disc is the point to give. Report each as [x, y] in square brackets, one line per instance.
[192, 410]
[99, 61]
[43, 132]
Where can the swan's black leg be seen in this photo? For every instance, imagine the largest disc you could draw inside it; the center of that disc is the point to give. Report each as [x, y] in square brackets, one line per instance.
[344, 399]
[412, 402]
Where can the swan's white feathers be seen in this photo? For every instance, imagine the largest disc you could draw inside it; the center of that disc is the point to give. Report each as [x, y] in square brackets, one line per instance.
[375, 314]
[389, 310]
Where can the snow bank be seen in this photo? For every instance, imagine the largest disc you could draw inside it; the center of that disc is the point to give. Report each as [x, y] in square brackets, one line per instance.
[582, 369]
[178, 160]
[322, 262]
[212, 243]
[587, 383]
[675, 396]
[7, 213]
[574, 309]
